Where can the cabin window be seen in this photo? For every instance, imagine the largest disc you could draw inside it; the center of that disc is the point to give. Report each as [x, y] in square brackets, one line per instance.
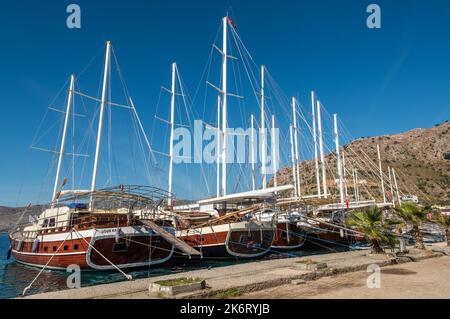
[66, 247]
[45, 248]
[45, 223]
[75, 247]
[51, 222]
[54, 248]
[119, 247]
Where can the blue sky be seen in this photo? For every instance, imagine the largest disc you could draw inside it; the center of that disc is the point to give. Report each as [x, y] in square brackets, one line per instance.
[378, 81]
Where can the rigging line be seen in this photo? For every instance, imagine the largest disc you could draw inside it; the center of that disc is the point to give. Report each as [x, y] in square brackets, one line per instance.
[143, 131]
[100, 49]
[404, 177]
[208, 63]
[364, 186]
[128, 101]
[45, 266]
[186, 105]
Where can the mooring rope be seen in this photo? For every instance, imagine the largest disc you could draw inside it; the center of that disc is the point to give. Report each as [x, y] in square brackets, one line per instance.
[45, 266]
[129, 277]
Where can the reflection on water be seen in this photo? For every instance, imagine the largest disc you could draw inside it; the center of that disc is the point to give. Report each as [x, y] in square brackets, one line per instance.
[15, 277]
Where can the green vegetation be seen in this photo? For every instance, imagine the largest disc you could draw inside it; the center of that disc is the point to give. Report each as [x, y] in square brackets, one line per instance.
[444, 221]
[230, 293]
[414, 215]
[308, 261]
[178, 281]
[370, 223]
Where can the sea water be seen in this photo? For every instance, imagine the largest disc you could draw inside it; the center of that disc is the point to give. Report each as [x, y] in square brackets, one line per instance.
[14, 277]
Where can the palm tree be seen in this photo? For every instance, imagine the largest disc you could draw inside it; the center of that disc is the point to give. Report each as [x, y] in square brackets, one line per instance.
[369, 222]
[444, 221]
[413, 214]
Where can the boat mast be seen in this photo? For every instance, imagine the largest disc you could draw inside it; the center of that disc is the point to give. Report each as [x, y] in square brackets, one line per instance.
[252, 146]
[218, 136]
[63, 140]
[224, 105]
[357, 185]
[339, 162]
[390, 185]
[263, 132]
[274, 155]
[316, 160]
[172, 125]
[294, 174]
[102, 111]
[294, 116]
[396, 188]
[381, 174]
[344, 171]
[322, 157]
[354, 184]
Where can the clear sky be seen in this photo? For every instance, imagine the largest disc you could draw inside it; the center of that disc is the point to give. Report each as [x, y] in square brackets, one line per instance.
[379, 81]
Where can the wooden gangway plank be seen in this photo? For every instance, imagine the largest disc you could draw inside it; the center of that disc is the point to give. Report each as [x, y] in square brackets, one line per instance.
[181, 245]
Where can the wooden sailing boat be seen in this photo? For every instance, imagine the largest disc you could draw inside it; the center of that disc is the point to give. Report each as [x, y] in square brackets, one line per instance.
[97, 229]
[229, 226]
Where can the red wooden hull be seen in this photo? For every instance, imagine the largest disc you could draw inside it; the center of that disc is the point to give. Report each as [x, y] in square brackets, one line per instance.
[130, 251]
[226, 241]
[288, 236]
[332, 235]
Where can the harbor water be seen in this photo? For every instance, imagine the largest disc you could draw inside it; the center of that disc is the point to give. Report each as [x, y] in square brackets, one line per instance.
[14, 277]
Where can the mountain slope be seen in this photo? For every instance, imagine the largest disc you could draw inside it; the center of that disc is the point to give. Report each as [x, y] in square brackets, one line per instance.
[420, 157]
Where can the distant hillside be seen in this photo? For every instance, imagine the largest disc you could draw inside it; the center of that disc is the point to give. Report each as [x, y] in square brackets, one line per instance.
[10, 215]
[420, 157]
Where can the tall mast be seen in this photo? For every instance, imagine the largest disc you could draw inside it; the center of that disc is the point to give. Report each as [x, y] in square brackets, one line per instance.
[390, 185]
[274, 154]
[252, 147]
[294, 174]
[396, 187]
[344, 171]
[102, 111]
[224, 105]
[339, 163]
[322, 157]
[172, 125]
[294, 116]
[218, 136]
[316, 160]
[357, 185]
[63, 141]
[381, 174]
[354, 185]
[263, 131]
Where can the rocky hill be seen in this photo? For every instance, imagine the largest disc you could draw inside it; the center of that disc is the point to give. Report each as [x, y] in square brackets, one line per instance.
[10, 215]
[420, 157]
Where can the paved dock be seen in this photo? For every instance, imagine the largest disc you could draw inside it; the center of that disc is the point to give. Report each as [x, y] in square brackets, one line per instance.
[427, 279]
[253, 276]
